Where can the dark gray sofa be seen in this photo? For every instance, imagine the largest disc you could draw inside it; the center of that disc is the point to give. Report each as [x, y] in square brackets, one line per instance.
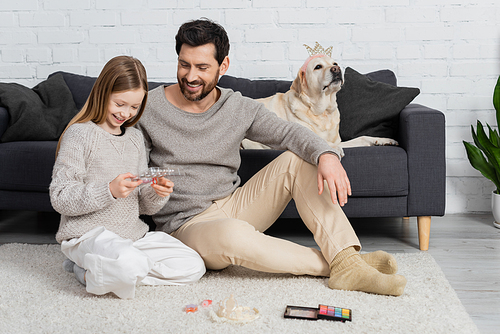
[387, 181]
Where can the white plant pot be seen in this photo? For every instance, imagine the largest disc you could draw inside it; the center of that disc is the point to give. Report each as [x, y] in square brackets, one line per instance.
[495, 208]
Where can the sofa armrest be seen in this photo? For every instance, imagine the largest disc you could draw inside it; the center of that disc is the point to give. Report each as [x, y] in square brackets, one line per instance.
[422, 135]
[4, 120]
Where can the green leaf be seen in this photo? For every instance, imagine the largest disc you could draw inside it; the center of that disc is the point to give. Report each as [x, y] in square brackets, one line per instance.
[493, 136]
[474, 136]
[478, 161]
[497, 136]
[496, 101]
[491, 151]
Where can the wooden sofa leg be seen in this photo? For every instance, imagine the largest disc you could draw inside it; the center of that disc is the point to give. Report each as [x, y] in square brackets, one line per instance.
[424, 231]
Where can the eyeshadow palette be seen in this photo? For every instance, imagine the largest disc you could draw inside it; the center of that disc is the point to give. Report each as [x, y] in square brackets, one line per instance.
[322, 312]
[334, 313]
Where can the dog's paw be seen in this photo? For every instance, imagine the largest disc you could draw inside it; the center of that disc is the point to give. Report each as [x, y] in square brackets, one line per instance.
[368, 141]
[385, 142]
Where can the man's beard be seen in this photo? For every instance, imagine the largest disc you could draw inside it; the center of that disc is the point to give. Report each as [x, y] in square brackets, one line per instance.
[207, 88]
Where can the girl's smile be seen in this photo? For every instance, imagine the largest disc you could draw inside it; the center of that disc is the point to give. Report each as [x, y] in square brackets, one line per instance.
[122, 106]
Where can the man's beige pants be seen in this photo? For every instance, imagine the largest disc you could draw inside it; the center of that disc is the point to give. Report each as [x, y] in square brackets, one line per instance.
[231, 230]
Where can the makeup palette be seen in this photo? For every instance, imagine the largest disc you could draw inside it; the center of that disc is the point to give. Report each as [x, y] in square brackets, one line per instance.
[322, 312]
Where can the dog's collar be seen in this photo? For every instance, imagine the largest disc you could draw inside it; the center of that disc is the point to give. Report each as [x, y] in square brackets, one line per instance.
[304, 67]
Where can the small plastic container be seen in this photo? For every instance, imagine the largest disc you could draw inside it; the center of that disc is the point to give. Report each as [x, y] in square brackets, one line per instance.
[153, 173]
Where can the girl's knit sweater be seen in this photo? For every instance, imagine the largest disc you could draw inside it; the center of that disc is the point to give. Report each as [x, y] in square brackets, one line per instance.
[89, 159]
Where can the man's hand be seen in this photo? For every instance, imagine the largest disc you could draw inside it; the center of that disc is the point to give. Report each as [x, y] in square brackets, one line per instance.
[331, 170]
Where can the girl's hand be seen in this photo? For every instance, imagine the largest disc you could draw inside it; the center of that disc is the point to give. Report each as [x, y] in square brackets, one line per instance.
[163, 187]
[122, 186]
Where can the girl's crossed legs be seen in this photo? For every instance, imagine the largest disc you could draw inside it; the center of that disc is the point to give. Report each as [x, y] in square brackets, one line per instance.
[117, 265]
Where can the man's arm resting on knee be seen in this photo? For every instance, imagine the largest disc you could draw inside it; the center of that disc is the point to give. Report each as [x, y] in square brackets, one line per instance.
[331, 170]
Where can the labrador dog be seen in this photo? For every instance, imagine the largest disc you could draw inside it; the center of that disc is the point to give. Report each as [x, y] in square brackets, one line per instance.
[312, 102]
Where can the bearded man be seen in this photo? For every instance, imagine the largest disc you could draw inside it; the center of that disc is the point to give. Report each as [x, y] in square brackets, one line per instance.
[198, 126]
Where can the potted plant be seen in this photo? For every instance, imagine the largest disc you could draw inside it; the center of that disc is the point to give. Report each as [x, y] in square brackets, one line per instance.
[484, 155]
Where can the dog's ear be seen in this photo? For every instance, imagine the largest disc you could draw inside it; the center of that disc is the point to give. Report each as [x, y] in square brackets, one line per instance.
[299, 86]
[299, 83]
[296, 85]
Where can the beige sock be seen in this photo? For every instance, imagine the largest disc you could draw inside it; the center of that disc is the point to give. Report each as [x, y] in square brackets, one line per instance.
[382, 261]
[350, 272]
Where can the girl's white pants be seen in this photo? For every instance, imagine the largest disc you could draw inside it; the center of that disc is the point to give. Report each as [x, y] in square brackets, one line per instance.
[117, 265]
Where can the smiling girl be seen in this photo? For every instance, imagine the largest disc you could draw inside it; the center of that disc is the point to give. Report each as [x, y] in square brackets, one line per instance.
[108, 246]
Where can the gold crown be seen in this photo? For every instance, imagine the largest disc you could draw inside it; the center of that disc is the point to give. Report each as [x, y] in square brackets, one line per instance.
[318, 49]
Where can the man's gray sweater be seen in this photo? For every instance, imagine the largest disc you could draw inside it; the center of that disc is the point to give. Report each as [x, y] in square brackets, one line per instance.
[207, 147]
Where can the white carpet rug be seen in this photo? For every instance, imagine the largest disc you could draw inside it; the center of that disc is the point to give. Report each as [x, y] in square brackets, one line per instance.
[38, 296]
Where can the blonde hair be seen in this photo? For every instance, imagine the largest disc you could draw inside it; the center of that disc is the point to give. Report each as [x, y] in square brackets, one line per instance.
[120, 74]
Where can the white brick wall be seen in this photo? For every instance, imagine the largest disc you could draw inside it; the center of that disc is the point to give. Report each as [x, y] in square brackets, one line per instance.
[450, 50]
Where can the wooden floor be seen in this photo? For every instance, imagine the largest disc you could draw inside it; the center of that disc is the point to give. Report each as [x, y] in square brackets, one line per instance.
[466, 247]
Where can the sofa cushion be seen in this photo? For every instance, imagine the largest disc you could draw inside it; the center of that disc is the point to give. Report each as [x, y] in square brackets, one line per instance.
[385, 76]
[377, 171]
[4, 120]
[79, 85]
[38, 113]
[27, 165]
[370, 108]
